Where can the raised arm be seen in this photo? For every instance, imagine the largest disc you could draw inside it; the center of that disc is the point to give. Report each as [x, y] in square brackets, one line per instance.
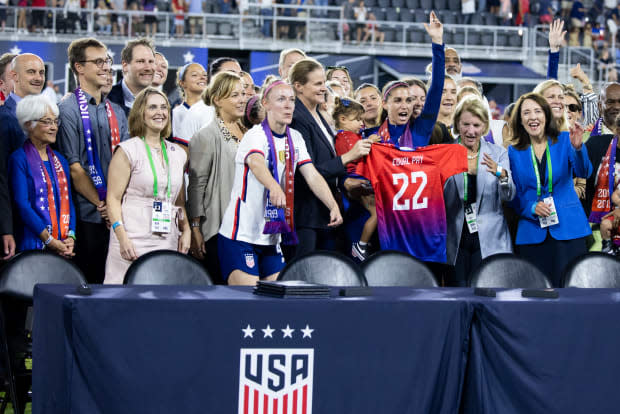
[556, 37]
[423, 126]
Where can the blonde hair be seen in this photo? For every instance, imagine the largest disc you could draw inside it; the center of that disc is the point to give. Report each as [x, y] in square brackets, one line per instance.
[541, 88]
[284, 54]
[330, 72]
[467, 90]
[474, 105]
[137, 126]
[220, 87]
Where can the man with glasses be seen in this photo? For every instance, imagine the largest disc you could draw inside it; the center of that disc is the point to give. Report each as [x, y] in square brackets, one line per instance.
[138, 60]
[91, 127]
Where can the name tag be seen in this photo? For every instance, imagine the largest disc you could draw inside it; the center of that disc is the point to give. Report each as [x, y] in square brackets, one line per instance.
[471, 218]
[161, 217]
[552, 219]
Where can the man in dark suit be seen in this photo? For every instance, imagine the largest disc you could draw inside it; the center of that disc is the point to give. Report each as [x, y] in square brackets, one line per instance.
[138, 60]
[6, 218]
[28, 74]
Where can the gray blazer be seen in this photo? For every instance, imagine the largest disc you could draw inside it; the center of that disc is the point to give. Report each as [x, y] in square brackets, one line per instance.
[211, 176]
[492, 228]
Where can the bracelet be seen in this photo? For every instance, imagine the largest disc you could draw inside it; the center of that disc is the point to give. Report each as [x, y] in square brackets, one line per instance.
[116, 224]
[195, 224]
[498, 173]
[49, 240]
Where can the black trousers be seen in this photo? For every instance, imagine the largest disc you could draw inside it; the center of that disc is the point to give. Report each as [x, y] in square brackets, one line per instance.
[551, 256]
[91, 249]
[315, 239]
[467, 259]
[212, 261]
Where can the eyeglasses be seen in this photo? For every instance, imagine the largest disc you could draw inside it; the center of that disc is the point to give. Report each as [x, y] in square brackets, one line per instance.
[574, 108]
[99, 62]
[48, 122]
[343, 68]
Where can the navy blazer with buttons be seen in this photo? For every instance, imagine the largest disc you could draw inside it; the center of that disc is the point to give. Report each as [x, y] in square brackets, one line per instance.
[565, 161]
[310, 212]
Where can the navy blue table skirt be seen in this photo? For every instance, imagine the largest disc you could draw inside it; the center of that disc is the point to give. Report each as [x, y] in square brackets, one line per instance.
[223, 350]
[545, 355]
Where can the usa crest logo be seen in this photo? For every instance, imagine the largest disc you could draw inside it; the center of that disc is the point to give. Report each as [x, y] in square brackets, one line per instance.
[276, 380]
[249, 260]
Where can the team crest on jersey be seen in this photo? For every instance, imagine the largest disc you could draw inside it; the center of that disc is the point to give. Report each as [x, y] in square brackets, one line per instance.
[249, 260]
[276, 380]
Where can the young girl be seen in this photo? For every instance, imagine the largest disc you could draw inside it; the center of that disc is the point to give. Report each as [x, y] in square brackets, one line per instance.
[348, 120]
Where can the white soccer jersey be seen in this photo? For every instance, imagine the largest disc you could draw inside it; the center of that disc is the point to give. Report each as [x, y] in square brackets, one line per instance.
[178, 115]
[244, 218]
[198, 116]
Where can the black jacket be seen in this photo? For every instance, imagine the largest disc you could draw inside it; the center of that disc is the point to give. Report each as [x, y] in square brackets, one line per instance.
[310, 212]
[116, 96]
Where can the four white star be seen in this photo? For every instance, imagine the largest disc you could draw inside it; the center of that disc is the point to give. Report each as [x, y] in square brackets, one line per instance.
[248, 332]
[286, 332]
[16, 50]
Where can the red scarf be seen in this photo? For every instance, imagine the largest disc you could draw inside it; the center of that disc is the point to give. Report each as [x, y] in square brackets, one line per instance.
[115, 135]
[601, 203]
[63, 191]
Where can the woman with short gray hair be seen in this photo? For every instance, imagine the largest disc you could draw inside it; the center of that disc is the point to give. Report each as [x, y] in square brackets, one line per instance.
[41, 182]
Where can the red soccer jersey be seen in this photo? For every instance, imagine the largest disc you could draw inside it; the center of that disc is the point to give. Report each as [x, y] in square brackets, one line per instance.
[409, 195]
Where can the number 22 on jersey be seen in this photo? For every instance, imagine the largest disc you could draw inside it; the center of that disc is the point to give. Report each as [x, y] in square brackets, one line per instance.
[402, 179]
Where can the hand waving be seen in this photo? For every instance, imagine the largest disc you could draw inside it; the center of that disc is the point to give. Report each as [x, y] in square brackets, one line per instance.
[434, 28]
[556, 35]
[576, 135]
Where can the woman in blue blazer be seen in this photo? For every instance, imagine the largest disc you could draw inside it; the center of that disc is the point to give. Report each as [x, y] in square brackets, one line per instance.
[41, 182]
[543, 162]
[483, 188]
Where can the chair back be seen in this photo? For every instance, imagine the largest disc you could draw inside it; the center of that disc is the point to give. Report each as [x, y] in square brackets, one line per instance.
[394, 268]
[506, 270]
[166, 267]
[324, 267]
[593, 270]
[28, 268]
